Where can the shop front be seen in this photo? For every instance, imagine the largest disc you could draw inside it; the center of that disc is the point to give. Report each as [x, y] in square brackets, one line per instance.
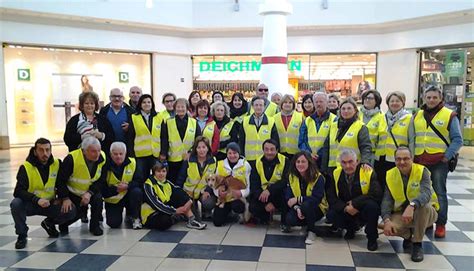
[43, 85]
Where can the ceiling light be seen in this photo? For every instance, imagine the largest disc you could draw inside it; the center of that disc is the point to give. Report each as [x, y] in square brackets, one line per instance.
[437, 50]
[149, 3]
[468, 53]
[76, 51]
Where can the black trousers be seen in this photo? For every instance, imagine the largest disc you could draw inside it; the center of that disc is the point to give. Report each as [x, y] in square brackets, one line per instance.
[257, 208]
[132, 201]
[173, 172]
[96, 205]
[311, 213]
[162, 221]
[144, 165]
[381, 167]
[221, 214]
[368, 215]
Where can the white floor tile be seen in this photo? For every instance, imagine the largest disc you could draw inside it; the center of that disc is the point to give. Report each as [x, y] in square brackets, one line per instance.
[430, 262]
[282, 255]
[173, 264]
[135, 263]
[360, 244]
[218, 265]
[151, 249]
[208, 236]
[108, 247]
[329, 252]
[455, 249]
[34, 244]
[44, 260]
[263, 266]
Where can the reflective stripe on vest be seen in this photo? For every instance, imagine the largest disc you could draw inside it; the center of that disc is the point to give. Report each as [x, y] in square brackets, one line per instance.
[385, 145]
[80, 179]
[165, 115]
[426, 139]
[237, 172]
[254, 139]
[316, 138]
[145, 211]
[295, 188]
[289, 137]
[208, 131]
[178, 148]
[396, 187]
[146, 143]
[349, 141]
[225, 133]
[364, 177]
[162, 190]
[35, 182]
[127, 177]
[195, 183]
[373, 127]
[277, 171]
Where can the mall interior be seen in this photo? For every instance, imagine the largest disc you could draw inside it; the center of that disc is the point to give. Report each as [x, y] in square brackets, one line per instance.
[206, 45]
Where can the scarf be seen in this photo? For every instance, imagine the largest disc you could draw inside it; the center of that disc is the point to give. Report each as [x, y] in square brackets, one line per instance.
[369, 113]
[237, 112]
[429, 113]
[222, 123]
[343, 125]
[84, 125]
[393, 118]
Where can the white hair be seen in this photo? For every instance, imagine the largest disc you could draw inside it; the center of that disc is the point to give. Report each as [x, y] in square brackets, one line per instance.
[89, 141]
[216, 104]
[347, 152]
[117, 145]
[276, 94]
[115, 89]
[320, 93]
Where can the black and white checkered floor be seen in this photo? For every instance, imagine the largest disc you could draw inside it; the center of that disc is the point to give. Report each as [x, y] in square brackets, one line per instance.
[234, 247]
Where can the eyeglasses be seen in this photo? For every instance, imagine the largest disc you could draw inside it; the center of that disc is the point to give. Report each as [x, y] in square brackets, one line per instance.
[116, 96]
[263, 89]
[169, 101]
[370, 98]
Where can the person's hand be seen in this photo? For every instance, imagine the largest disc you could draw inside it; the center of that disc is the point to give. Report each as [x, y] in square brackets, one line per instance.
[366, 166]
[66, 206]
[181, 210]
[270, 208]
[86, 198]
[315, 157]
[87, 134]
[236, 194]
[351, 210]
[291, 202]
[407, 215]
[389, 228]
[205, 195]
[186, 156]
[222, 194]
[264, 196]
[162, 157]
[122, 187]
[300, 213]
[444, 160]
[125, 126]
[43, 203]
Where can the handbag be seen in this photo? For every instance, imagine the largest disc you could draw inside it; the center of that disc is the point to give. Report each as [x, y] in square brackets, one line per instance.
[453, 162]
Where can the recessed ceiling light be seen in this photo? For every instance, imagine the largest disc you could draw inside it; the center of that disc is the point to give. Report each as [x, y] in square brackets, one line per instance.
[468, 53]
[437, 50]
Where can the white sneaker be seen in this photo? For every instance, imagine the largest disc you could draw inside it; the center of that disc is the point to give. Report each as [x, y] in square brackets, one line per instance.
[310, 238]
[194, 224]
[137, 224]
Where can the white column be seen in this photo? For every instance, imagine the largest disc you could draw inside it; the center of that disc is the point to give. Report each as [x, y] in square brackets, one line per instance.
[4, 142]
[274, 70]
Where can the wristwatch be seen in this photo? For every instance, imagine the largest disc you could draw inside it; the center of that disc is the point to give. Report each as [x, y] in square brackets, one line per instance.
[413, 204]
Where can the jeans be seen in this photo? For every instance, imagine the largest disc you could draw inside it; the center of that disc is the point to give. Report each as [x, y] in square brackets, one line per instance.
[21, 209]
[439, 174]
[132, 201]
[311, 213]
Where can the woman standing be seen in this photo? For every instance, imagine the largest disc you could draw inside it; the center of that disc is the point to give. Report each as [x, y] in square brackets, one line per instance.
[333, 103]
[193, 99]
[288, 123]
[238, 107]
[305, 194]
[217, 96]
[371, 115]
[308, 105]
[206, 124]
[228, 130]
[177, 138]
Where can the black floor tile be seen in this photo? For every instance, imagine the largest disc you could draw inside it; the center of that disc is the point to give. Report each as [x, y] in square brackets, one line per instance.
[464, 226]
[217, 252]
[89, 262]
[27, 269]
[68, 245]
[461, 196]
[428, 247]
[194, 251]
[461, 262]
[238, 253]
[164, 236]
[10, 257]
[284, 241]
[451, 236]
[377, 260]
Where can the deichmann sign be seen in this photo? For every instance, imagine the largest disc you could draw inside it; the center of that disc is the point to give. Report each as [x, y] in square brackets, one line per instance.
[123, 77]
[23, 74]
[240, 66]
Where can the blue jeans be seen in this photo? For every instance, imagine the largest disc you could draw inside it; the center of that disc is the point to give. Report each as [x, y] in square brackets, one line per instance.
[439, 174]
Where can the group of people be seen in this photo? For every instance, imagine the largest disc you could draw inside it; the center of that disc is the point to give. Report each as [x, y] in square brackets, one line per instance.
[244, 161]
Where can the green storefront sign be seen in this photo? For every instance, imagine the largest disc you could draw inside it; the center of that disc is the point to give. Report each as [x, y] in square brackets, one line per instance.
[455, 64]
[23, 74]
[123, 77]
[240, 66]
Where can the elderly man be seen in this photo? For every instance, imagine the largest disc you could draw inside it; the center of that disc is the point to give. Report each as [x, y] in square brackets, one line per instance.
[409, 203]
[135, 94]
[438, 139]
[118, 114]
[79, 181]
[268, 180]
[168, 101]
[34, 193]
[123, 187]
[270, 108]
[314, 132]
[354, 197]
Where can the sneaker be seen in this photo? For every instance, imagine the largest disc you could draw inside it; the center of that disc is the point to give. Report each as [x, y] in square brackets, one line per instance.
[97, 231]
[440, 231]
[21, 242]
[137, 224]
[310, 238]
[285, 228]
[417, 252]
[406, 243]
[372, 245]
[50, 228]
[194, 224]
[350, 234]
[63, 229]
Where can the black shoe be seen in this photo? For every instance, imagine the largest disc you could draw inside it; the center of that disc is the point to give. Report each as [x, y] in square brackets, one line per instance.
[21, 242]
[97, 231]
[285, 228]
[84, 218]
[417, 252]
[350, 234]
[50, 228]
[335, 232]
[407, 243]
[63, 229]
[372, 245]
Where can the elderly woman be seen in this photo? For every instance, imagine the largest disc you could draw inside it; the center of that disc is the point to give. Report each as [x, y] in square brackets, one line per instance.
[276, 98]
[371, 114]
[228, 130]
[288, 123]
[217, 96]
[88, 123]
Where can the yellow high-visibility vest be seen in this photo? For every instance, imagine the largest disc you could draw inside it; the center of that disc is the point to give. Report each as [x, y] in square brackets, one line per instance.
[225, 133]
[163, 191]
[277, 171]
[289, 136]
[349, 141]
[373, 127]
[35, 182]
[254, 139]
[316, 138]
[147, 143]
[208, 131]
[237, 172]
[364, 176]
[195, 183]
[426, 139]
[178, 148]
[80, 179]
[127, 177]
[270, 111]
[165, 115]
[295, 188]
[386, 145]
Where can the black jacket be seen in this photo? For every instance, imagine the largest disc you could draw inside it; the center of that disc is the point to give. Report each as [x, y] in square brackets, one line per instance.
[110, 191]
[268, 168]
[22, 184]
[338, 203]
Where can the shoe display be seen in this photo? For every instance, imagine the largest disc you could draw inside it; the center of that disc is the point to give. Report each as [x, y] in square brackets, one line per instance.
[50, 228]
[194, 224]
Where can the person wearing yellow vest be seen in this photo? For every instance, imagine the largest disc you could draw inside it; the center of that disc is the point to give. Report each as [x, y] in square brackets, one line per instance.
[430, 149]
[305, 194]
[397, 121]
[288, 123]
[144, 135]
[194, 173]
[371, 115]
[349, 133]
[168, 101]
[228, 130]
[315, 130]
[236, 166]
[238, 107]
[268, 180]
[207, 125]
[80, 179]
[165, 203]
[307, 105]
[177, 138]
[354, 197]
[123, 187]
[409, 204]
[256, 128]
[333, 103]
[270, 108]
[34, 193]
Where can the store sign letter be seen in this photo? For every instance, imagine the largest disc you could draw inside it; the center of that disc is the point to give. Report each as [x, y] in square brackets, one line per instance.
[23, 75]
[240, 66]
[123, 77]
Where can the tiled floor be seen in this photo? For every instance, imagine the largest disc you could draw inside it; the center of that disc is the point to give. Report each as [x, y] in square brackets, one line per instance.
[234, 247]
